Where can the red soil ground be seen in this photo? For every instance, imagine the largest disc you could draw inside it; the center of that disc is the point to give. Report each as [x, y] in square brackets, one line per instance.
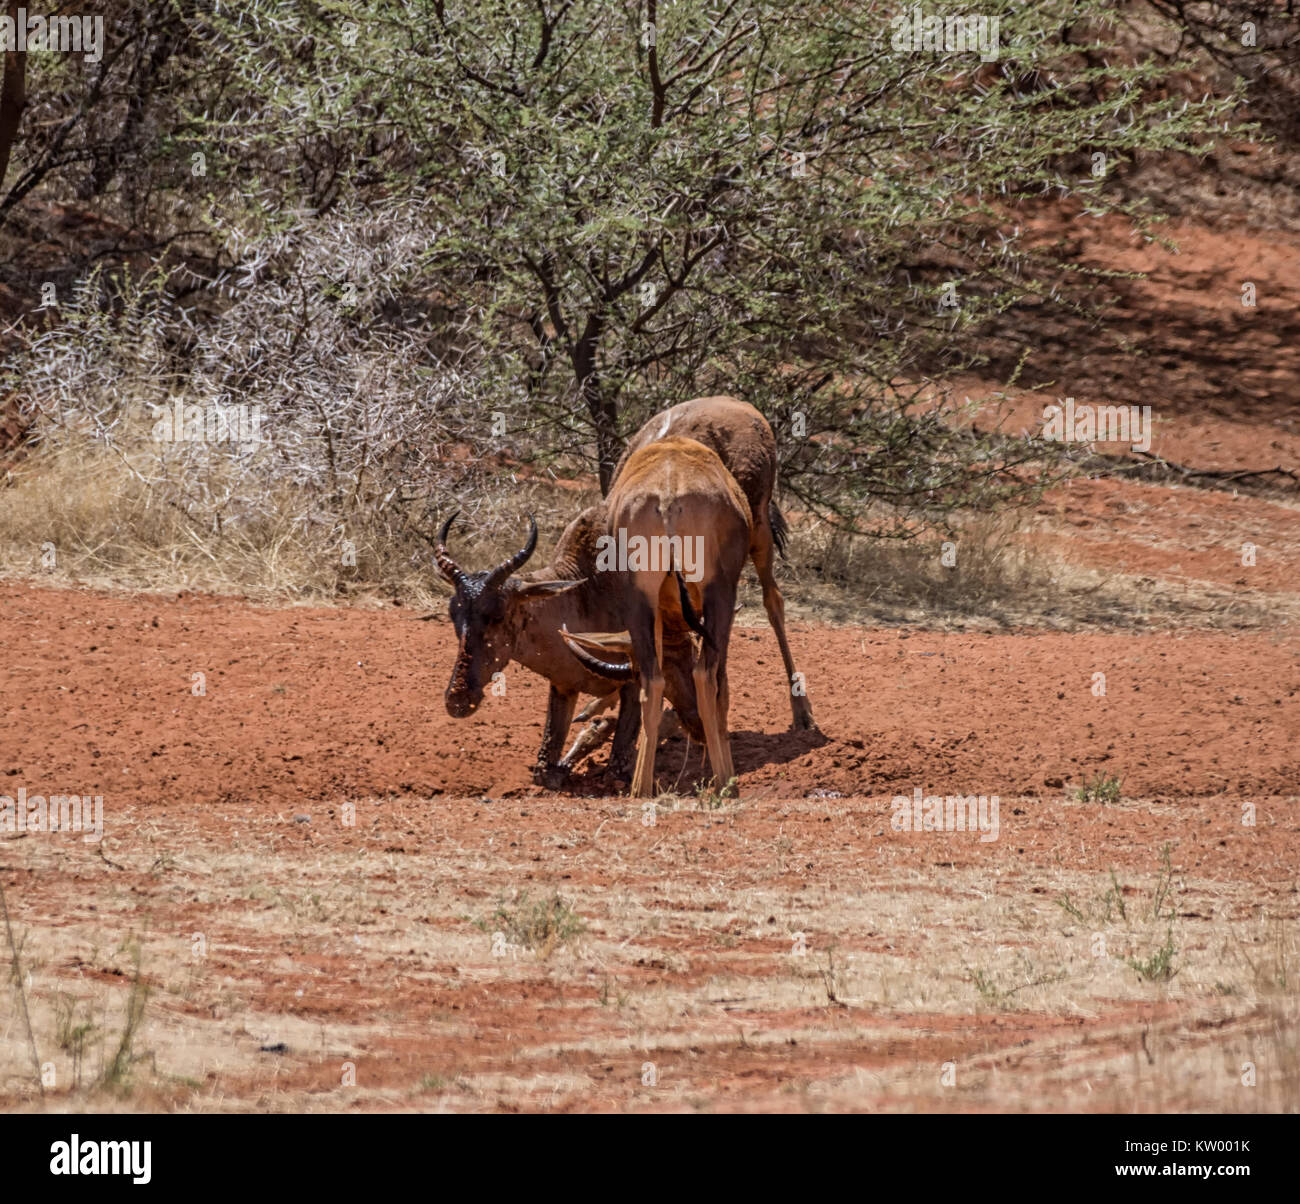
[369, 946]
[309, 705]
[356, 950]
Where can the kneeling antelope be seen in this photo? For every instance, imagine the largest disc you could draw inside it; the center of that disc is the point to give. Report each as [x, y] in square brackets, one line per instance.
[503, 614]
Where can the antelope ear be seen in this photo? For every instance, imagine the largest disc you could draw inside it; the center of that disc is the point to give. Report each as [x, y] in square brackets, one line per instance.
[617, 643]
[530, 591]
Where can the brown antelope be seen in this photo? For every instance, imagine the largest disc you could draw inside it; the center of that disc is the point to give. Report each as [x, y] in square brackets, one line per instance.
[500, 616]
[743, 441]
[676, 496]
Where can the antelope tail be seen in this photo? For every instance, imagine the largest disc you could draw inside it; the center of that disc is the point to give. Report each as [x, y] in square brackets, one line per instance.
[780, 528]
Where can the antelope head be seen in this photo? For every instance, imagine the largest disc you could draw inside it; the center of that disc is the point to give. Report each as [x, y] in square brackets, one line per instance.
[487, 611]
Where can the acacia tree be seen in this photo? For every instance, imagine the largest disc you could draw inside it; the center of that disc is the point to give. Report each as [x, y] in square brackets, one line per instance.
[90, 124]
[627, 204]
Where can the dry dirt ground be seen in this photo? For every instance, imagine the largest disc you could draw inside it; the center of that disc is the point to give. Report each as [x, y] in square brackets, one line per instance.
[315, 891]
[788, 949]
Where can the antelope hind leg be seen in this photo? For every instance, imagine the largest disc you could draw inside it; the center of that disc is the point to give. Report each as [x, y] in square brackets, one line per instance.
[761, 550]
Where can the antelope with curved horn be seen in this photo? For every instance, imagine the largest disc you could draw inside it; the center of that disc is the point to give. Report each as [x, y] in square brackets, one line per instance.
[500, 616]
[743, 440]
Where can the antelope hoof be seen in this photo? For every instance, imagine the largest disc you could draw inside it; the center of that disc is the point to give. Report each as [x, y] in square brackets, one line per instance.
[803, 719]
[553, 777]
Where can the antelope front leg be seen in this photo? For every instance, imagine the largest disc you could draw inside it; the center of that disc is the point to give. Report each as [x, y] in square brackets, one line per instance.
[559, 714]
[594, 734]
[629, 721]
[587, 741]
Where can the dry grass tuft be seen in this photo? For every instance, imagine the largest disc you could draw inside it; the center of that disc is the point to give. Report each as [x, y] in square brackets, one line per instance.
[84, 513]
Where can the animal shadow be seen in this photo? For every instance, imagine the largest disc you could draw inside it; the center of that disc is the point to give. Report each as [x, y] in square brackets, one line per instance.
[682, 766]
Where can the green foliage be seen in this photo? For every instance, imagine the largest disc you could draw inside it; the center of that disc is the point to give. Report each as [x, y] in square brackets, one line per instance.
[1102, 788]
[710, 796]
[1158, 966]
[764, 198]
[538, 924]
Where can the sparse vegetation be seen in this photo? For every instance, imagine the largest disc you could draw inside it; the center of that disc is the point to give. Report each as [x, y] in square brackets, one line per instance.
[117, 1075]
[609, 993]
[709, 796]
[537, 924]
[1271, 962]
[1158, 966]
[1102, 788]
[74, 1035]
[18, 981]
[995, 994]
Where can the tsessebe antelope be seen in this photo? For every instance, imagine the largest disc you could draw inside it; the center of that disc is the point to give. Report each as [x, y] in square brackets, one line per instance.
[667, 493]
[743, 441]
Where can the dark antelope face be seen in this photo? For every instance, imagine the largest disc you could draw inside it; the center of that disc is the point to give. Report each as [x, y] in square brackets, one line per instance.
[486, 611]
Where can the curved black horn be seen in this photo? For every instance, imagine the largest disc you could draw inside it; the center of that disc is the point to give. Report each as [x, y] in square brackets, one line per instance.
[446, 565]
[615, 672]
[518, 560]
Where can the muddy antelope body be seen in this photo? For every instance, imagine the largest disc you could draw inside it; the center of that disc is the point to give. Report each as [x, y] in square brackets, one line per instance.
[502, 615]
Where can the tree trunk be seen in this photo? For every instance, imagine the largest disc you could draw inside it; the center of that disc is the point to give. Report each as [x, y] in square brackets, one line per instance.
[604, 417]
[13, 96]
[602, 410]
